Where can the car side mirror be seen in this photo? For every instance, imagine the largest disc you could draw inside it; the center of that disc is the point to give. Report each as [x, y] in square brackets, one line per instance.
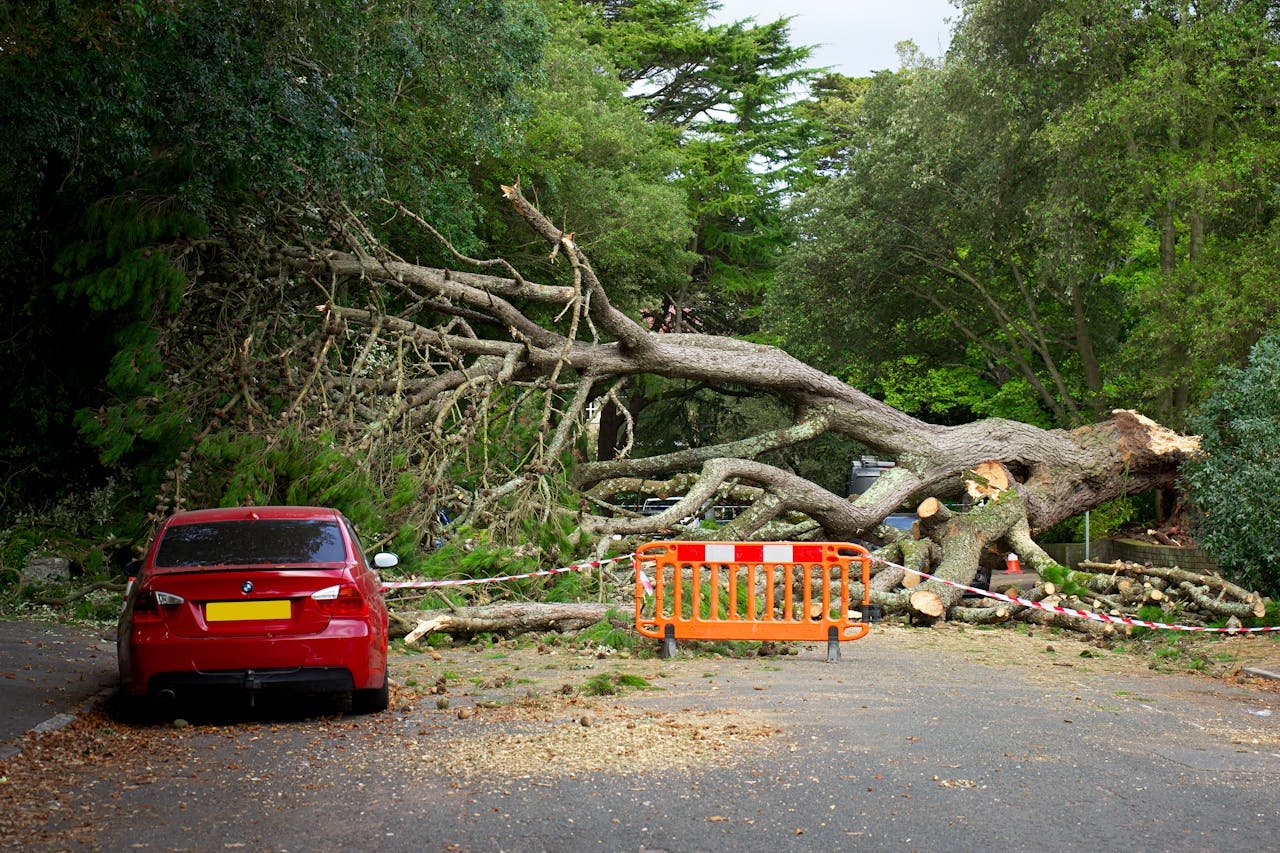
[385, 560]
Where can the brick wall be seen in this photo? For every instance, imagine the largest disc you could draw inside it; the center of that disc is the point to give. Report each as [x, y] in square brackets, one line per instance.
[1070, 554]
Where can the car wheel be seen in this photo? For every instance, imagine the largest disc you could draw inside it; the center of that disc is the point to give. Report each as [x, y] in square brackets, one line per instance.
[372, 701]
[130, 709]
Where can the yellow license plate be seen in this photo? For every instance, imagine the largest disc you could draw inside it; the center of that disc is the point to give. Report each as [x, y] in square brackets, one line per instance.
[241, 611]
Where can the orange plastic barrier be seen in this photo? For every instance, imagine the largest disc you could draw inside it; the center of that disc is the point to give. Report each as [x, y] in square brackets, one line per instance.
[750, 591]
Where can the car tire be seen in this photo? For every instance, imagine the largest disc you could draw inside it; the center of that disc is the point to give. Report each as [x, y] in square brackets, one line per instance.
[372, 701]
[126, 708]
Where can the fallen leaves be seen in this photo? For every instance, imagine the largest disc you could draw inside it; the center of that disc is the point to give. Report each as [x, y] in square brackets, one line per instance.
[565, 738]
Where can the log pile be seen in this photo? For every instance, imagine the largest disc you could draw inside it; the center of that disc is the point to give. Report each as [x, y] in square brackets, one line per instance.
[1115, 589]
[1196, 599]
[996, 524]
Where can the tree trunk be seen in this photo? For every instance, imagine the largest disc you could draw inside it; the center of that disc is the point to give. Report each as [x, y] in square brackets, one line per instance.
[507, 620]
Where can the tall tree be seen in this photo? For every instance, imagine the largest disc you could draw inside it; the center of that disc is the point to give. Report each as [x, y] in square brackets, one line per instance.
[728, 91]
[591, 157]
[154, 121]
[727, 94]
[963, 218]
[1185, 110]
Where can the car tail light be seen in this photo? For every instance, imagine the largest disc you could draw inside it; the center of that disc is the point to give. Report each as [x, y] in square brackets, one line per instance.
[149, 602]
[342, 600]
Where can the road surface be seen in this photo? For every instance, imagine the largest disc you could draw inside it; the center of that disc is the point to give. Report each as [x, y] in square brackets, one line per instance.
[946, 739]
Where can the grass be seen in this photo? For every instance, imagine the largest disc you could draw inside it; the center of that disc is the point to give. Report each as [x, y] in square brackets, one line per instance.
[1125, 694]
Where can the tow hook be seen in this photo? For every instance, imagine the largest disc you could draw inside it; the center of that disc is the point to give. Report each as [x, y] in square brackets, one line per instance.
[251, 685]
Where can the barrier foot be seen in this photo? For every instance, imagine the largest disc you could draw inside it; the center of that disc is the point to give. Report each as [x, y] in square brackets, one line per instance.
[833, 644]
[668, 649]
[871, 613]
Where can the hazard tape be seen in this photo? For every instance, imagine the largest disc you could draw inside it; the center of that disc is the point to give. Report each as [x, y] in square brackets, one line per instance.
[1081, 614]
[749, 554]
[577, 567]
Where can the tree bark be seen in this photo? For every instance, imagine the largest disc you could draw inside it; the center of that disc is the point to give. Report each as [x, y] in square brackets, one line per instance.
[507, 620]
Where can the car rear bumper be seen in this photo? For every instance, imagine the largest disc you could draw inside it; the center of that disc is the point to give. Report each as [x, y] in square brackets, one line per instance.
[274, 681]
[155, 656]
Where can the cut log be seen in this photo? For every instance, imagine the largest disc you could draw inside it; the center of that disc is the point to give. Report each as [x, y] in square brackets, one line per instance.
[932, 507]
[982, 615]
[986, 480]
[508, 620]
[1101, 630]
[927, 603]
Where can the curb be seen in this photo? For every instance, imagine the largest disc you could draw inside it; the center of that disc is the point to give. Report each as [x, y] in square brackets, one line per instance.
[1271, 671]
[58, 721]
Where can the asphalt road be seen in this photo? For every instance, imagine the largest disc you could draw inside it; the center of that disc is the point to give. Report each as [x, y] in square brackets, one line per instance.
[47, 671]
[977, 741]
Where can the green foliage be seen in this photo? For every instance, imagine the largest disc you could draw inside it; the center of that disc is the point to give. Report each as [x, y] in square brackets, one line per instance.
[440, 89]
[955, 220]
[954, 393]
[1148, 613]
[291, 468]
[1104, 520]
[94, 526]
[157, 121]
[468, 557]
[726, 91]
[593, 163]
[1271, 616]
[599, 685]
[605, 633]
[1235, 482]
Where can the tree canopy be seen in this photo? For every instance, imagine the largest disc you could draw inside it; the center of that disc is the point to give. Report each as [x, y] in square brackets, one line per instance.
[1036, 213]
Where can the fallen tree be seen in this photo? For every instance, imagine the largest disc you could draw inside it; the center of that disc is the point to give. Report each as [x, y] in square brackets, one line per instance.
[469, 351]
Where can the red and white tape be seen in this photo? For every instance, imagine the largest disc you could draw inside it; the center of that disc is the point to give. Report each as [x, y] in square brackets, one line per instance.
[1081, 614]
[746, 553]
[577, 567]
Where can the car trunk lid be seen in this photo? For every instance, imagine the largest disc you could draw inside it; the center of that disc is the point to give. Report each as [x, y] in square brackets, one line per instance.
[247, 601]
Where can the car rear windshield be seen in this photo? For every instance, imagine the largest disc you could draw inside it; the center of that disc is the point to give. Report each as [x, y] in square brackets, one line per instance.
[251, 543]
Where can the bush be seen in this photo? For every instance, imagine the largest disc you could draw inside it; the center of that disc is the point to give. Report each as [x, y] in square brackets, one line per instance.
[1235, 483]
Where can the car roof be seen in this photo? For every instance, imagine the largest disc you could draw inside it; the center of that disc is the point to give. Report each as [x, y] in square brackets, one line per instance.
[253, 513]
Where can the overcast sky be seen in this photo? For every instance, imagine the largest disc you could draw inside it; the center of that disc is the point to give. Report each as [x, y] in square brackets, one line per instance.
[854, 37]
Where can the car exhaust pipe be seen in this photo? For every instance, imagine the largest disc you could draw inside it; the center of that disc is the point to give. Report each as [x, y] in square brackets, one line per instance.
[166, 696]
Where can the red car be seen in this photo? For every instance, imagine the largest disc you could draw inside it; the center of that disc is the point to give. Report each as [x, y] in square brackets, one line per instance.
[256, 599]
